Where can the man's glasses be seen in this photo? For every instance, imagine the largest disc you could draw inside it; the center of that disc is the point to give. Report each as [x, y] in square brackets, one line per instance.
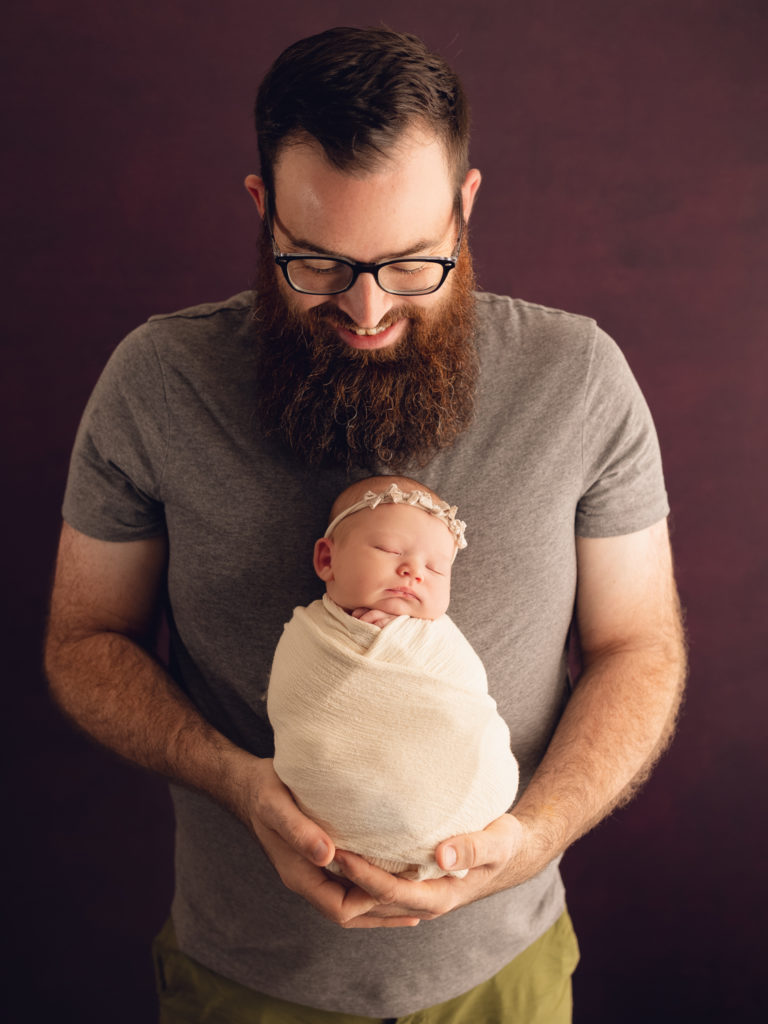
[331, 275]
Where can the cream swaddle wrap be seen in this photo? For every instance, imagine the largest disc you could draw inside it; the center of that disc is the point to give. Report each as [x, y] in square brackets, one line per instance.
[388, 737]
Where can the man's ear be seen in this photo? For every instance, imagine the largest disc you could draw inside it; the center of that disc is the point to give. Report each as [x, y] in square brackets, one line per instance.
[469, 191]
[322, 559]
[258, 192]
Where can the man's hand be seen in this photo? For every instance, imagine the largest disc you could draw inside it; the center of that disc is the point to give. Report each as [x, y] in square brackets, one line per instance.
[299, 850]
[502, 855]
[374, 616]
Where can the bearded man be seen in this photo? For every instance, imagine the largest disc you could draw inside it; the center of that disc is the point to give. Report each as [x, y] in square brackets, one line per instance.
[204, 469]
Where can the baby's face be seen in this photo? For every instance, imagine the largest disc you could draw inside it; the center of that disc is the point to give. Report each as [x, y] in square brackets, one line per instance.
[394, 558]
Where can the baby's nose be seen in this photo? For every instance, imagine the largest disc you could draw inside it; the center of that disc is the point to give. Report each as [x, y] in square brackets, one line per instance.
[411, 570]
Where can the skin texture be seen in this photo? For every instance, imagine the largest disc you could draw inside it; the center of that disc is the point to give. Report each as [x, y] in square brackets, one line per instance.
[105, 597]
[393, 559]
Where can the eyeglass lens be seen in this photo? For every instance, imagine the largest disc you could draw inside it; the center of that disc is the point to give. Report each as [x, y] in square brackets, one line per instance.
[323, 276]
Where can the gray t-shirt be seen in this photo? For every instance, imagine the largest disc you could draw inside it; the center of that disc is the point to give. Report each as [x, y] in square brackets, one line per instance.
[562, 444]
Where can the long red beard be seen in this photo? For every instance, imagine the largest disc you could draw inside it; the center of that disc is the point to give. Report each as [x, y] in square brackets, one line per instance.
[392, 407]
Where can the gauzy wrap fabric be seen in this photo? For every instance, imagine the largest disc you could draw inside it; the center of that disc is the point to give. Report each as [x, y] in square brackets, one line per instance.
[388, 737]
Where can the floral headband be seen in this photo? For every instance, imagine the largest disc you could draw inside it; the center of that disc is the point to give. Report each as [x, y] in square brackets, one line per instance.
[417, 499]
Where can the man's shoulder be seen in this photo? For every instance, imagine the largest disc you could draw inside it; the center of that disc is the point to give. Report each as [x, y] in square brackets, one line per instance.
[191, 332]
[507, 312]
[210, 340]
[238, 305]
[530, 338]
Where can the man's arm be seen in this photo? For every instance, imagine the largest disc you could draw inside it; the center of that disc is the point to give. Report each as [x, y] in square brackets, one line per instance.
[615, 725]
[102, 610]
[623, 710]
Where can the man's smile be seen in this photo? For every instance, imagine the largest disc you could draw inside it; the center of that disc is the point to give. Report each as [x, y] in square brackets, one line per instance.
[371, 337]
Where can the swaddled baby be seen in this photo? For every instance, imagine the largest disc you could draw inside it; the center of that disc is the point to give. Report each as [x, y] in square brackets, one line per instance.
[384, 729]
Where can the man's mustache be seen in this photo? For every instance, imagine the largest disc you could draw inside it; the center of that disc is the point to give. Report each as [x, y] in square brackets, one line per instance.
[328, 313]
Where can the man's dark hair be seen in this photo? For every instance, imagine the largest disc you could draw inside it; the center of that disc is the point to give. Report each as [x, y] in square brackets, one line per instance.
[356, 91]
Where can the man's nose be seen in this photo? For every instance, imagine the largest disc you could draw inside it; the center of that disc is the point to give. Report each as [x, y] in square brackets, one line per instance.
[365, 302]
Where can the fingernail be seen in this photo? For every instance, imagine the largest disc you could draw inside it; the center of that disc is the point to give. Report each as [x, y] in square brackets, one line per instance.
[320, 852]
[449, 856]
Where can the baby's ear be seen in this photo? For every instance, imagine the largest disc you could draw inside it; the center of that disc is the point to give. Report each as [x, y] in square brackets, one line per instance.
[322, 559]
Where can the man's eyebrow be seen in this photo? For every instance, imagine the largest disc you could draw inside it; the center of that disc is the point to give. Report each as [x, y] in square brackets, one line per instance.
[304, 245]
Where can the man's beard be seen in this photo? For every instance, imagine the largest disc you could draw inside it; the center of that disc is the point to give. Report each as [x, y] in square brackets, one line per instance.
[391, 407]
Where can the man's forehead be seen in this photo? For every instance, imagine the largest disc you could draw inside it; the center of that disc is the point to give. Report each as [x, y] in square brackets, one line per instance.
[417, 166]
[403, 203]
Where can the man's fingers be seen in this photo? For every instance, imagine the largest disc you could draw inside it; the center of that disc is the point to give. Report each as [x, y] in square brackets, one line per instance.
[396, 898]
[492, 847]
[328, 896]
[380, 885]
[304, 836]
[457, 855]
[277, 810]
[298, 849]
[349, 907]
[383, 922]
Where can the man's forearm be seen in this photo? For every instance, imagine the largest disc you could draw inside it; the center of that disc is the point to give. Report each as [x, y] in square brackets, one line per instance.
[616, 724]
[102, 606]
[114, 690]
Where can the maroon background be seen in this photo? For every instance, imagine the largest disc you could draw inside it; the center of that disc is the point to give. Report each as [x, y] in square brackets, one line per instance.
[624, 148]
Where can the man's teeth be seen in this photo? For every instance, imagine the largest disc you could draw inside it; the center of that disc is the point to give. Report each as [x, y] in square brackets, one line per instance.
[368, 330]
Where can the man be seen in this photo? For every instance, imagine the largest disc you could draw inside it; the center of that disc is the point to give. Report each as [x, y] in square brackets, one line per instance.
[206, 463]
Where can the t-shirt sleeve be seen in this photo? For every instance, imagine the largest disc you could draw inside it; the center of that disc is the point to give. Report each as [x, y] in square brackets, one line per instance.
[623, 480]
[114, 487]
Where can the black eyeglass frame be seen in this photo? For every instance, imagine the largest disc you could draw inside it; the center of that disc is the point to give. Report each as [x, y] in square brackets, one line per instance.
[283, 259]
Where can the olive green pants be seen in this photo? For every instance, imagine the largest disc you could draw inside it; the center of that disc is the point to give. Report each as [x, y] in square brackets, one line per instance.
[535, 988]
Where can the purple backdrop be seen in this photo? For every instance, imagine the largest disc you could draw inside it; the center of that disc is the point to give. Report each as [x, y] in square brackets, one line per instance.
[624, 152]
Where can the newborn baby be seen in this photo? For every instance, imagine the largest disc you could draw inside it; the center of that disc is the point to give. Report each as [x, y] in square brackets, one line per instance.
[384, 729]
